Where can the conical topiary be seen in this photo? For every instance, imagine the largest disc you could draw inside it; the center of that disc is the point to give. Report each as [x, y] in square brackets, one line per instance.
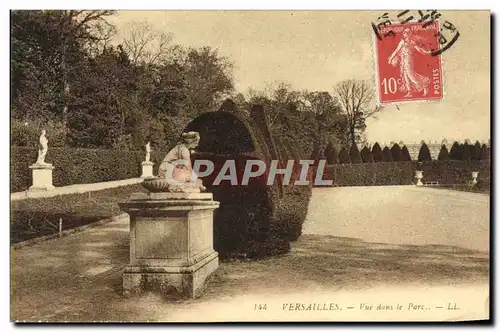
[366, 155]
[424, 154]
[466, 152]
[405, 153]
[485, 152]
[344, 157]
[455, 151]
[396, 153]
[476, 151]
[387, 155]
[443, 154]
[377, 154]
[331, 154]
[354, 154]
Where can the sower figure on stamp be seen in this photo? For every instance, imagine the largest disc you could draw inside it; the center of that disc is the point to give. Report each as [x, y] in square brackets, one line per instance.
[410, 79]
[176, 166]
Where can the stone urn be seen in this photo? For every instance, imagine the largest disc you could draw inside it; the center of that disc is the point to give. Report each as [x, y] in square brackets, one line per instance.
[419, 175]
[474, 177]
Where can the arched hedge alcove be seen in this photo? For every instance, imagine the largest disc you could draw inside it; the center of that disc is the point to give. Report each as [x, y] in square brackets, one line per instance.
[253, 220]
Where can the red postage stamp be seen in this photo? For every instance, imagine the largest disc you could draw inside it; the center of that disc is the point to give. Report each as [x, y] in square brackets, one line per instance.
[406, 68]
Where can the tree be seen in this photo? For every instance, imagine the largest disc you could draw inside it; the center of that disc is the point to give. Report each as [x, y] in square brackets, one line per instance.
[208, 79]
[354, 154]
[331, 154]
[424, 153]
[344, 157]
[49, 50]
[387, 154]
[443, 154]
[455, 151]
[146, 46]
[355, 97]
[396, 153]
[366, 155]
[378, 156]
[405, 153]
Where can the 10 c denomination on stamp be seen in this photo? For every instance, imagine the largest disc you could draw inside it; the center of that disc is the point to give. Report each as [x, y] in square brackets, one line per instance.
[406, 68]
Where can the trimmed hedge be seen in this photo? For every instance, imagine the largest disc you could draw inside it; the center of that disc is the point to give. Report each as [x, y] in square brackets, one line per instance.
[454, 172]
[77, 166]
[370, 174]
[402, 173]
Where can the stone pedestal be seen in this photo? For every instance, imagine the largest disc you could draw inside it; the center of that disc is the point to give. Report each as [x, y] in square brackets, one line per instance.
[147, 169]
[171, 243]
[41, 175]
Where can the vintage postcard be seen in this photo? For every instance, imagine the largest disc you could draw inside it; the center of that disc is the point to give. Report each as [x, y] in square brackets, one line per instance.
[250, 166]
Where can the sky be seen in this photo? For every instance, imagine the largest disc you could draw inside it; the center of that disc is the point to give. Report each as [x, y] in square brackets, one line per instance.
[314, 50]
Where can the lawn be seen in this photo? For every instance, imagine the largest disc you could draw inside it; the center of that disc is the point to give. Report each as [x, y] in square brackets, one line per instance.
[35, 217]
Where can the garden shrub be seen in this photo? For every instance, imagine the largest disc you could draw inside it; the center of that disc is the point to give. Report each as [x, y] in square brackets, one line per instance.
[402, 173]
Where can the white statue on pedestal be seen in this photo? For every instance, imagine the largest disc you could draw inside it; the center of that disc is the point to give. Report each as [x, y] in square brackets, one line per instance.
[148, 152]
[42, 148]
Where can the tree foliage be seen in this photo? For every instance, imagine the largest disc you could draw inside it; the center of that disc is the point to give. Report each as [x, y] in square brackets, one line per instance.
[65, 70]
[355, 97]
